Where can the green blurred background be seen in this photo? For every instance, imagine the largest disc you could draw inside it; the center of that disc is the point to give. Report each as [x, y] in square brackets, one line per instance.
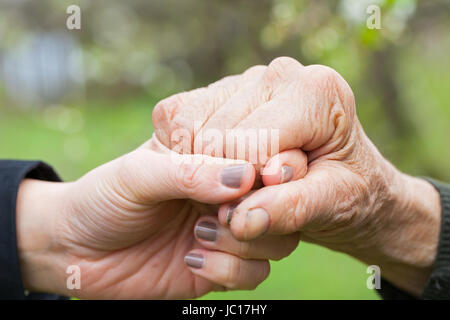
[79, 98]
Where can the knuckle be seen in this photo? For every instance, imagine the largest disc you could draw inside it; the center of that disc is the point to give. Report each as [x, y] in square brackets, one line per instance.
[340, 96]
[323, 76]
[228, 81]
[188, 176]
[282, 68]
[171, 122]
[327, 78]
[284, 63]
[221, 91]
[254, 72]
[166, 109]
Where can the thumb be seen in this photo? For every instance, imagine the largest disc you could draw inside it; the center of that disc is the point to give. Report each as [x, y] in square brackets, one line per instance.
[153, 176]
[290, 207]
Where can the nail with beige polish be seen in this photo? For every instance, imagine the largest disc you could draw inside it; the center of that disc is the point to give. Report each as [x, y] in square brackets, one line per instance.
[194, 260]
[206, 230]
[286, 174]
[232, 175]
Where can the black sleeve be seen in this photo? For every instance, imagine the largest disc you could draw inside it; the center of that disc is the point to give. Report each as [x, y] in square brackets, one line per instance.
[438, 286]
[11, 174]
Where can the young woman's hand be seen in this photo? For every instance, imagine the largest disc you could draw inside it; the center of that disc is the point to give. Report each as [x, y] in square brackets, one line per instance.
[143, 226]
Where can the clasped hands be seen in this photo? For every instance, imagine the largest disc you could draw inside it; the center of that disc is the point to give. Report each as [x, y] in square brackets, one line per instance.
[187, 213]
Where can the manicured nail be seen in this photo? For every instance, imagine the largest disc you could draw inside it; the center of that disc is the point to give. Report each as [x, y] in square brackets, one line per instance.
[194, 260]
[257, 222]
[286, 174]
[230, 212]
[232, 176]
[206, 230]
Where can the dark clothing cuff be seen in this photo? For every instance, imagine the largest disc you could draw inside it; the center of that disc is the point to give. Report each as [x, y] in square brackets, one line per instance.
[389, 292]
[438, 286]
[11, 175]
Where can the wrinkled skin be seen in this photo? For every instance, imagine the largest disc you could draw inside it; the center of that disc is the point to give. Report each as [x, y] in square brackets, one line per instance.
[351, 199]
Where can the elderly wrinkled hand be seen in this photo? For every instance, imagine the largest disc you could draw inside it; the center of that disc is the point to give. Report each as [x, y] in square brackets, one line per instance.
[339, 191]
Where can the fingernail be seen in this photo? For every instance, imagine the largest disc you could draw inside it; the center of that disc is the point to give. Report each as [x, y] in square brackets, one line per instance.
[230, 212]
[286, 174]
[232, 176]
[257, 222]
[194, 260]
[206, 230]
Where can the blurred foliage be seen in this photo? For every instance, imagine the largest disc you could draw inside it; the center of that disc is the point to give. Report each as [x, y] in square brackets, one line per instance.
[139, 51]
